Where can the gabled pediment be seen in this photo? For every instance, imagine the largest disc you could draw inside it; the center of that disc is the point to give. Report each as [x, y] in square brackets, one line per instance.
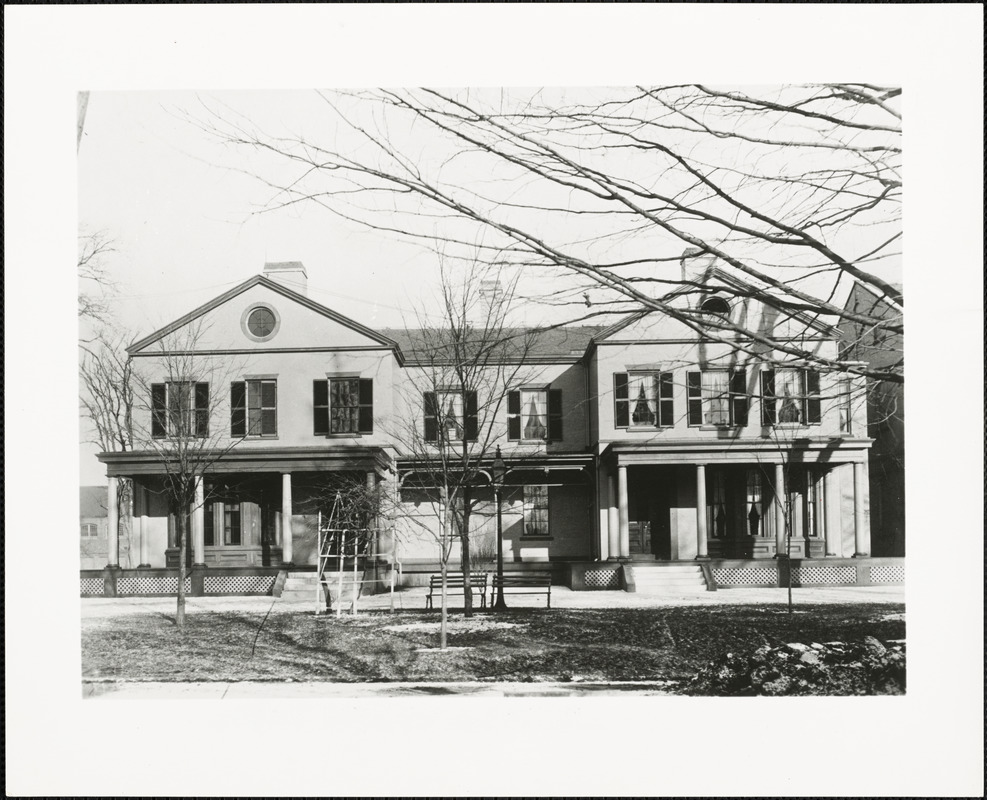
[261, 314]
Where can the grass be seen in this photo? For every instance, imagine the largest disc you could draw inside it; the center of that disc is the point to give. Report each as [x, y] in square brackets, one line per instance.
[520, 645]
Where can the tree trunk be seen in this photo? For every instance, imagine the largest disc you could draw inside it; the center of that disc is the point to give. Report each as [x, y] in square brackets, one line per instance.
[465, 539]
[443, 624]
[182, 536]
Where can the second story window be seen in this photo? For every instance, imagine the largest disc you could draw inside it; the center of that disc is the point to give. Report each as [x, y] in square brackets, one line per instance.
[643, 400]
[717, 397]
[179, 409]
[254, 405]
[90, 530]
[343, 406]
[846, 410]
[534, 415]
[790, 397]
[448, 418]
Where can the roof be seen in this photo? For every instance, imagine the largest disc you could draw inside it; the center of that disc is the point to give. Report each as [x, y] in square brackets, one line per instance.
[566, 342]
[92, 501]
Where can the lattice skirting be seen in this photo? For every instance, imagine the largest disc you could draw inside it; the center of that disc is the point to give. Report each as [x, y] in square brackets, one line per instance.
[166, 584]
[602, 578]
[829, 575]
[238, 584]
[888, 573]
[745, 576]
[91, 586]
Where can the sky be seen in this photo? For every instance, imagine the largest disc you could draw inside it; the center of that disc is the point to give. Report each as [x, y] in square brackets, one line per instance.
[203, 240]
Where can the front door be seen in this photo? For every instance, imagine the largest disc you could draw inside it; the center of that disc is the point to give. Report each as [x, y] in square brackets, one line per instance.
[640, 538]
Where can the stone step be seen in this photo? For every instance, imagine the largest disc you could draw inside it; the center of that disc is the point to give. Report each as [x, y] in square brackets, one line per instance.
[669, 581]
[666, 568]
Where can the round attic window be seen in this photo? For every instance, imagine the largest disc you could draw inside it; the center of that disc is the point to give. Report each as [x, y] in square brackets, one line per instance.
[260, 322]
[716, 305]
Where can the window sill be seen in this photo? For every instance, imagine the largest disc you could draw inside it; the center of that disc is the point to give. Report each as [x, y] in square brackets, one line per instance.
[259, 438]
[719, 427]
[343, 435]
[644, 428]
[527, 538]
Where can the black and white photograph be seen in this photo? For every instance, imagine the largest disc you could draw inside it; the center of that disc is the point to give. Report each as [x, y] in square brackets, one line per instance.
[526, 431]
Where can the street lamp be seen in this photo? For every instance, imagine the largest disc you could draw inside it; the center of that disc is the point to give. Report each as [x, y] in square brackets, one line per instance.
[498, 472]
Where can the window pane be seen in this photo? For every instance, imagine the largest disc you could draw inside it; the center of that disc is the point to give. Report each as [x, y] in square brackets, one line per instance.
[253, 394]
[534, 414]
[269, 421]
[642, 399]
[269, 394]
[253, 422]
[716, 386]
[788, 390]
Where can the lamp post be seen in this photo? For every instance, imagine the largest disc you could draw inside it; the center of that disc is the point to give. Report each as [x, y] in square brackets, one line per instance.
[498, 472]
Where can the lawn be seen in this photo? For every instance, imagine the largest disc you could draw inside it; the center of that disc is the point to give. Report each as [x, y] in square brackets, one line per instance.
[669, 644]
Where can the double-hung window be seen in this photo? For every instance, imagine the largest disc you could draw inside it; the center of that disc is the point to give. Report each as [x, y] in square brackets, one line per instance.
[534, 415]
[717, 397]
[450, 417]
[343, 406]
[180, 409]
[790, 397]
[535, 510]
[643, 400]
[254, 407]
[90, 530]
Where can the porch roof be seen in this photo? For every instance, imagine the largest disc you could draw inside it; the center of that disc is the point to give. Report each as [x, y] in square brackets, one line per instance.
[543, 470]
[809, 450]
[268, 459]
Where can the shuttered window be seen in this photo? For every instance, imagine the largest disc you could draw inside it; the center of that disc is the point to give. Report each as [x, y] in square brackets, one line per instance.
[790, 397]
[534, 415]
[448, 416]
[180, 409]
[343, 406]
[254, 408]
[643, 400]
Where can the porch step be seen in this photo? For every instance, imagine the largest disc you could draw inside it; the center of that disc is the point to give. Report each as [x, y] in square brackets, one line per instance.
[666, 578]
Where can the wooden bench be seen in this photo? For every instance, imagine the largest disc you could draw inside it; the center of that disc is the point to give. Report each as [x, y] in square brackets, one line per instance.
[524, 583]
[456, 585]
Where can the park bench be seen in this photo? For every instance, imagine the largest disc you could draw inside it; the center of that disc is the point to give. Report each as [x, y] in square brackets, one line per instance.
[455, 585]
[524, 583]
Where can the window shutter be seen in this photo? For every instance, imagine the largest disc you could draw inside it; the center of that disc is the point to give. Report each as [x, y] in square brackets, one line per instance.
[695, 396]
[767, 397]
[366, 424]
[555, 415]
[514, 416]
[431, 417]
[472, 422]
[202, 409]
[621, 408]
[269, 408]
[159, 427]
[320, 407]
[666, 416]
[738, 397]
[813, 405]
[238, 408]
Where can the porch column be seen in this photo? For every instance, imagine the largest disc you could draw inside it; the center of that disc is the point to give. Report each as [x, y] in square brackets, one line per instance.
[780, 548]
[286, 553]
[199, 524]
[701, 548]
[831, 518]
[613, 520]
[861, 536]
[622, 513]
[112, 524]
[145, 530]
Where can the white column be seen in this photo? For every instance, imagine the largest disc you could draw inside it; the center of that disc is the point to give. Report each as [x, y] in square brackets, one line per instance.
[145, 530]
[199, 524]
[112, 524]
[861, 535]
[613, 520]
[286, 553]
[780, 547]
[622, 513]
[831, 518]
[701, 548]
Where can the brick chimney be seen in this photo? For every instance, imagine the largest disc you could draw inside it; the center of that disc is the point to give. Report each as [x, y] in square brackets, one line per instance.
[290, 274]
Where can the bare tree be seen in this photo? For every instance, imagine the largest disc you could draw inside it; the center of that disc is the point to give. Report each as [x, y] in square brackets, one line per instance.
[95, 283]
[184, 421]
[107, 401]
[797, 189]
[458, 375]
